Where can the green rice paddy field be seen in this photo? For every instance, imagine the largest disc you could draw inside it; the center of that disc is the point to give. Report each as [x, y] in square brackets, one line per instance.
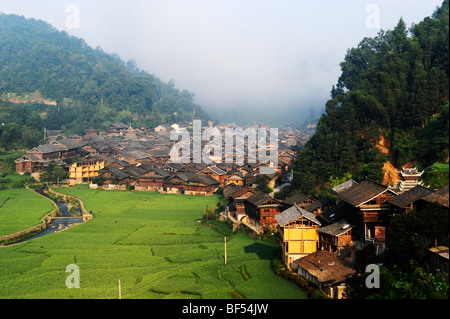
[153, 243]
[20, 209]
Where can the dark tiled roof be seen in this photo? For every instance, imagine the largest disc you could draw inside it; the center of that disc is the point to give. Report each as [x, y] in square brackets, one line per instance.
[51, 133]
[409, 197]
[69, 143]
[117, 172]
[296, 198]
[47, 148]
[243, 191]
[360, 193]
[175, 166]
[337, 228]
[204, 179]
[333, 214]
[185, 176]
[440, 196]
[231, 190]
[29, 158]
[216, 170]
[119, 125]
[323, 201]
[293, 213]
[135, 171]
[94, 138]
[327, 267]
[159, 153]
[259, 198]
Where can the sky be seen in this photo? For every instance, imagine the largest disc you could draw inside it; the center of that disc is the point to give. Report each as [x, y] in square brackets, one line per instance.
[245, 60]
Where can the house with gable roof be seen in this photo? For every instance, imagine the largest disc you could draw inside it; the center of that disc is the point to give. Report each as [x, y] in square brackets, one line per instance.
[300, 237]
[367, 207]
[327, 271]
[261, 209]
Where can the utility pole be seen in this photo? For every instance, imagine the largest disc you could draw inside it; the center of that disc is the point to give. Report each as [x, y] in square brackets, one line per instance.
[225, 250]
[120, 291]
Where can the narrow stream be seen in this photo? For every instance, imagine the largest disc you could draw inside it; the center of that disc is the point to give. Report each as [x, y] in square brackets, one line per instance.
[56, 225]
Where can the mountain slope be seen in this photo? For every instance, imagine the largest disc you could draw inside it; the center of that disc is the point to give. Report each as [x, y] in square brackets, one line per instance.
[89, 86]
[391, 86]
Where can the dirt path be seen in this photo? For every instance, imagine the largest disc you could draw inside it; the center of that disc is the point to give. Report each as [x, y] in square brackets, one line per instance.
[390, 172]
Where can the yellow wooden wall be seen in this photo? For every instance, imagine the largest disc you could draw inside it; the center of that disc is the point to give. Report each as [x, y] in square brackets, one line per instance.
[301, 241]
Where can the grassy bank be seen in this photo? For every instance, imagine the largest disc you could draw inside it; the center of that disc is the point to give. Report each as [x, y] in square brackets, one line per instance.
[21, 209]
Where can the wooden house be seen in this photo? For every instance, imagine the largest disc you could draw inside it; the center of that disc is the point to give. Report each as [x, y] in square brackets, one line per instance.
[235, 177]
[320, 205]
[30, 163]
[85, 171]
[333, 214]
[38, 157]
[230, 189]
[287, 156]
[250, 178]
[407, 201]
[300, 199]
[163, 129]
[174, 183]
[299, 230]
[236, 200]
[327, 271]
[240, 200]
[116, 129]
[439, 197]
[91, 132]
[160, 157]
[215, 172]
[367, 208]
[336, 237]
[261, 209]
[190, 183]
[203, 185]
[152, 180]
[90, 147]
[71, 148]
[438, 259]
[47, 151]
[52, 134]
[115, 178]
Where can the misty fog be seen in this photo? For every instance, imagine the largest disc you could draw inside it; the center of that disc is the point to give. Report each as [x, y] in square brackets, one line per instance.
[255, 60]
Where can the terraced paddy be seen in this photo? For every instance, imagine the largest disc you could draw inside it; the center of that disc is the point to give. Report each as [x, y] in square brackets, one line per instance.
[20, 209]
[153, 243]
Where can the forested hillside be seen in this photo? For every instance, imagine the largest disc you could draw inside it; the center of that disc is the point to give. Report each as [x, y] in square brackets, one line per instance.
[393, 87]
[72, 86]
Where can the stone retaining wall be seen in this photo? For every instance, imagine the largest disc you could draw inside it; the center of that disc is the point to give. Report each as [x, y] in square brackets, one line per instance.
[29, 231]
[85, 214]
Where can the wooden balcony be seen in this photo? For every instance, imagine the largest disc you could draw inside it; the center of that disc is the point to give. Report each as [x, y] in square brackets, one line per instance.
[374, 207]
[371, 217]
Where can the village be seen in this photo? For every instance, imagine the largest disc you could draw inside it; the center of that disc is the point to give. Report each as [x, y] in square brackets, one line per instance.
[318, 236]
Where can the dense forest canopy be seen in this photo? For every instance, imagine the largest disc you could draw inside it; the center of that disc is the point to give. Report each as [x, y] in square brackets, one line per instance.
[394, 86]
[41, 65]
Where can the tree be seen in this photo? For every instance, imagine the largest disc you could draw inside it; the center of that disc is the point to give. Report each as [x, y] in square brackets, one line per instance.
[53, 173]
[392, 85]
[410, 234]
[263, 184]
[99, 180]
